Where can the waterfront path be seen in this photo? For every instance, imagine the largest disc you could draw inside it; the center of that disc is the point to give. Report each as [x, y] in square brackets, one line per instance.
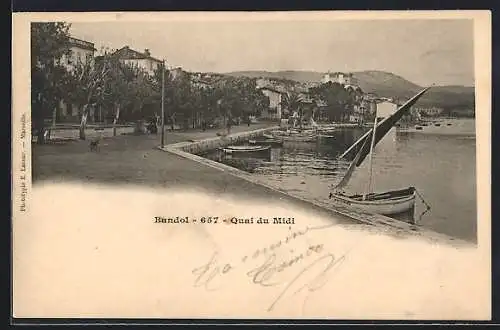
[136, 160]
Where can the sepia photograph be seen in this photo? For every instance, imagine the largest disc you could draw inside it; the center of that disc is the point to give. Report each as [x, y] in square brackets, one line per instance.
[282, 165]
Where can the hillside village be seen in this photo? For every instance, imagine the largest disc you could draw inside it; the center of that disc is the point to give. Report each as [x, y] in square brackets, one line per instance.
[337, 96]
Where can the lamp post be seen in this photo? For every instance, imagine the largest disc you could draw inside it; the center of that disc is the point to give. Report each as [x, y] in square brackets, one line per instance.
[163, 104]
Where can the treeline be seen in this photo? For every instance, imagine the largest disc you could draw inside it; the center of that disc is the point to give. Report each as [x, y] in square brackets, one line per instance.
[339, 101]
[125, 93]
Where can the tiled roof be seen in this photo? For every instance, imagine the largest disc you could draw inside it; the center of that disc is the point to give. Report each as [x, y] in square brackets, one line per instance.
[274, 89]
[126, 53]
[81, 43]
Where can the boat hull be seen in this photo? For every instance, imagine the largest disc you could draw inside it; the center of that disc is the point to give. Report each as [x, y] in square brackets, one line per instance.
[300, 138]
[387, 203]
[267, 142]
[326, 136]
[242, 150]
[246, 151]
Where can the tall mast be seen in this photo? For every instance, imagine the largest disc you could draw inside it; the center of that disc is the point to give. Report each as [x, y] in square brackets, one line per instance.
[369, 185]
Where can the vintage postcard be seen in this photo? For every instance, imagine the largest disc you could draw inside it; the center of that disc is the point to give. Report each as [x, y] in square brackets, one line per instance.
[277, 165]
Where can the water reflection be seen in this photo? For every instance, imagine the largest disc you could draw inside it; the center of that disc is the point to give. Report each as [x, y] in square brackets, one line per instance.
[441, 167]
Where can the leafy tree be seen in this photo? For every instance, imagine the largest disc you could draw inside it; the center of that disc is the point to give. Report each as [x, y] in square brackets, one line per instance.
[118, 86]
[340, 102]
[86, 87]
[292, 102]
[142, 91]
[49, 43]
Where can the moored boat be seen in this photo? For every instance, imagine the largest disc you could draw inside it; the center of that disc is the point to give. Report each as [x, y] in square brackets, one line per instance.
[296, 135]
[300, 138]
[268, 136]
[245, 149]
[385, 203]
[267, 141]
[326, 136]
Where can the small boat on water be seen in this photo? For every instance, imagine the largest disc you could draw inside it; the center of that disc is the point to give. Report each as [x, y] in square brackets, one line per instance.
[326, 130]
[245, 149]
[275, 142]
[296, 136]
[385, 203]
[300, 138]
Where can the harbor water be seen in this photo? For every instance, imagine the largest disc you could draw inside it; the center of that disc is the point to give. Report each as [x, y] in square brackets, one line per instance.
[439, 162]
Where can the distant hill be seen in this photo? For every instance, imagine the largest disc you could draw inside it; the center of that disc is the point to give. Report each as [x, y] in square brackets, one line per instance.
[383, 84]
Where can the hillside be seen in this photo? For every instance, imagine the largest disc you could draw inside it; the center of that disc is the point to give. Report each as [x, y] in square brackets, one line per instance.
[300, 76]
[383, 84]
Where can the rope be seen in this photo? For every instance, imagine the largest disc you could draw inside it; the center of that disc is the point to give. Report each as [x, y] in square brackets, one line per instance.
[428, 207]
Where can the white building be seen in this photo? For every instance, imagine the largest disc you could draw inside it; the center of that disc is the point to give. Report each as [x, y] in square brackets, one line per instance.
[139, 60]
[81, 52]
[275, 97]
[385, 109]
[430, 112]
[338, 77]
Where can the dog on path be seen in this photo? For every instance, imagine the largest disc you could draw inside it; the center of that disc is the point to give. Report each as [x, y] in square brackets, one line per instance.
[94, 144]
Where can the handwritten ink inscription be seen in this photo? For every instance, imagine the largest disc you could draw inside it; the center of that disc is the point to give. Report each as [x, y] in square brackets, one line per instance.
[307, 269]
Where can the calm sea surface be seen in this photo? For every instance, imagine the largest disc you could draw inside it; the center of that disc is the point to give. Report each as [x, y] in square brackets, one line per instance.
[440, 162]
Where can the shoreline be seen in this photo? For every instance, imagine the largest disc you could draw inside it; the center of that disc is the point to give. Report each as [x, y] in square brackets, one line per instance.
[183, 149]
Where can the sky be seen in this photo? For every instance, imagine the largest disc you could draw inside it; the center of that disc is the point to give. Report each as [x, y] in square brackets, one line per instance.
[425, 52]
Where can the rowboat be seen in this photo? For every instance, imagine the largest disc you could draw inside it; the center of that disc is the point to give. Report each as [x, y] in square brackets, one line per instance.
[296, 136]
[326, 130]
[385, 203]
[300, 138]
[268, 136]
[245, 149]
[266, 141]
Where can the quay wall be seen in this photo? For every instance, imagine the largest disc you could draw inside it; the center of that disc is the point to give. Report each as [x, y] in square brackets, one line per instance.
[70, 133]
[196, 147]
[189, 149]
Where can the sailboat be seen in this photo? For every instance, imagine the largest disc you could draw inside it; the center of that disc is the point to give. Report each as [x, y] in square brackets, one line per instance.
[385, 203]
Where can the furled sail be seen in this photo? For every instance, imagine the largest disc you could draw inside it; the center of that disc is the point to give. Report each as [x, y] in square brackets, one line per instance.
[351, 168]
[382, 128]
[365, 141]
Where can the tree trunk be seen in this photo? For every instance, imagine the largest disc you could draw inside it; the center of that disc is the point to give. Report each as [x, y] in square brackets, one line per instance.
[41, 135]
[54, 116]
[83, 122]
[38, 122]
[172, 122]
[115, 120]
